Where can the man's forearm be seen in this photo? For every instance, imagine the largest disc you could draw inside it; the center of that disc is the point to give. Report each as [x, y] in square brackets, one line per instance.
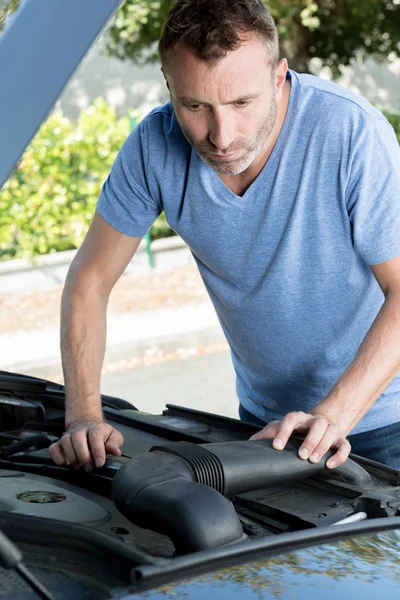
[83, 339]
[375, 365]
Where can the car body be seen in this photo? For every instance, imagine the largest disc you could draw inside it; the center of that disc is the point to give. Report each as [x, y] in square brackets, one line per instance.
[191, 508]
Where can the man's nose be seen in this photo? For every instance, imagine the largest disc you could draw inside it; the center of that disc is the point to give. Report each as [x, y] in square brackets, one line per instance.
[222, 132]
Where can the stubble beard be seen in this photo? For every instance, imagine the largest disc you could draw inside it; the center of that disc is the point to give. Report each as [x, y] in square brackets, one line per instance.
[250, 150]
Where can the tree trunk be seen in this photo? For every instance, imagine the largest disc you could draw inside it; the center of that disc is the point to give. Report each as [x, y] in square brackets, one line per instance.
[296, 48]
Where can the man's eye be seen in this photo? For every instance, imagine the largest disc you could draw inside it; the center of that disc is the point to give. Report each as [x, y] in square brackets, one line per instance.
[242, 103]
[194, 107]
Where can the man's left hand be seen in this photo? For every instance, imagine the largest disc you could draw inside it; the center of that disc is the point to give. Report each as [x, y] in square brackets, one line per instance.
[320, 436]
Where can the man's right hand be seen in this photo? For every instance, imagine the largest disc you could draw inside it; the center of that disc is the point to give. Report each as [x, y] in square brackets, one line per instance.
[86, 443]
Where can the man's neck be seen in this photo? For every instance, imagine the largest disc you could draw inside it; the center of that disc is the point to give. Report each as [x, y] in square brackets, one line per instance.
[238, 184]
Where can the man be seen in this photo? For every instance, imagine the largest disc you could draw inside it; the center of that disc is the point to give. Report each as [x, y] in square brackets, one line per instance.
[286, 189]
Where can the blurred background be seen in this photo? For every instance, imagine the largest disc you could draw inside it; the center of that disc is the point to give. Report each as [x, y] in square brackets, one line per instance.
[164, 341]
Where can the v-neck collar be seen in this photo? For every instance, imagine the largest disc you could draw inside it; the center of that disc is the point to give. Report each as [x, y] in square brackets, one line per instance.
[269, 165]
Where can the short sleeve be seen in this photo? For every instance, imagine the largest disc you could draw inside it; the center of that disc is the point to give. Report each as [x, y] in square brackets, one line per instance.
[373, 192]
[126, 201]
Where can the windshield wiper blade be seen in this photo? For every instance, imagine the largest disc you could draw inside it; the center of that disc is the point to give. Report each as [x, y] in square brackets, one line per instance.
[11, 558]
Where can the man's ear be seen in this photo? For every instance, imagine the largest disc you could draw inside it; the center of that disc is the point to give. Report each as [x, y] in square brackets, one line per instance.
[165, 77]
[280, 76]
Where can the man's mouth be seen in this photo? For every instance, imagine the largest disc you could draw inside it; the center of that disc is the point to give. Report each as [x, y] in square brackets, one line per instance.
[222, 157]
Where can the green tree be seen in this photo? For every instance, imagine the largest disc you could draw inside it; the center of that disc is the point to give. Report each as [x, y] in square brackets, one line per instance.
[7, 7]
[48, 202]
[332, 30]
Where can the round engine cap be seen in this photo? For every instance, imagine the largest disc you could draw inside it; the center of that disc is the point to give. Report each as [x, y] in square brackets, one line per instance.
[41, 497]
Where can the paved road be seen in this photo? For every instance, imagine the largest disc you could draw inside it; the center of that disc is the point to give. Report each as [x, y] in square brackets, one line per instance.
[203, 382]
[191, 369]
[164, 342]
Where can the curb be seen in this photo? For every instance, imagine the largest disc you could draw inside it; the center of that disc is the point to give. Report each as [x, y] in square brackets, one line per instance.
[49, 271]
[19, 350]
[62, 258]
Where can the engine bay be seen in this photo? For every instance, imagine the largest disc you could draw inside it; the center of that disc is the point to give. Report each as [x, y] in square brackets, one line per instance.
[187, 481]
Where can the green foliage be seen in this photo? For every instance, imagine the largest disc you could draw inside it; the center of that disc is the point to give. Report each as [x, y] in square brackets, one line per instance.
[7, 7]
[348, 26]
[333, 30]
[49, 201]
[395, 122]
[136, 28]
[161, 229]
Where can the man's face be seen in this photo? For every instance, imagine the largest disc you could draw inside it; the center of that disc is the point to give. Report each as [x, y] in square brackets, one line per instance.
[227, 110]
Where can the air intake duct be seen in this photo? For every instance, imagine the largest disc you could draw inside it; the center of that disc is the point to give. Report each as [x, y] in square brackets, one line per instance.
[181, 489]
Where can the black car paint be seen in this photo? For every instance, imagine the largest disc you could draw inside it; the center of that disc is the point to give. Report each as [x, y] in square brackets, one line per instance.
[366, 567]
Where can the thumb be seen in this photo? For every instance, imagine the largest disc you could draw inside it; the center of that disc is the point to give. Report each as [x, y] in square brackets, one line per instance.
[113, 442]
[112, 448]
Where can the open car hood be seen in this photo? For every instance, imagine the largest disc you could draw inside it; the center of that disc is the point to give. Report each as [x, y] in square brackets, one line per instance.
[39, 51]
[190, 494]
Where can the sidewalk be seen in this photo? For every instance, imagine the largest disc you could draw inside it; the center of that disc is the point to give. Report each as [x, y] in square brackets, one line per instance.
[154, 315]
[49, 271]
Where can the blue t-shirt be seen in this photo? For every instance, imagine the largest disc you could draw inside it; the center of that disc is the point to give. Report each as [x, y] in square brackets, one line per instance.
[287, 264]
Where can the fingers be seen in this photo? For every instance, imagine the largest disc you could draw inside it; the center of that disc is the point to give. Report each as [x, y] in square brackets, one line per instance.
[58, 455]
[280, 431]
[85, 444]
[291, 422]
[68, 449]
[343, 450]
[114, 441]
[318, 440]
[80, 445]
[321, 437]
[97, 438]
[268, 433]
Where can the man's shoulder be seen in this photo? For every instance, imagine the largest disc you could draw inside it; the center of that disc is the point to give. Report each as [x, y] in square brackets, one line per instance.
[160, 113]
[330, 111]
[328, 96]
[160, 127]
[163, 149]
